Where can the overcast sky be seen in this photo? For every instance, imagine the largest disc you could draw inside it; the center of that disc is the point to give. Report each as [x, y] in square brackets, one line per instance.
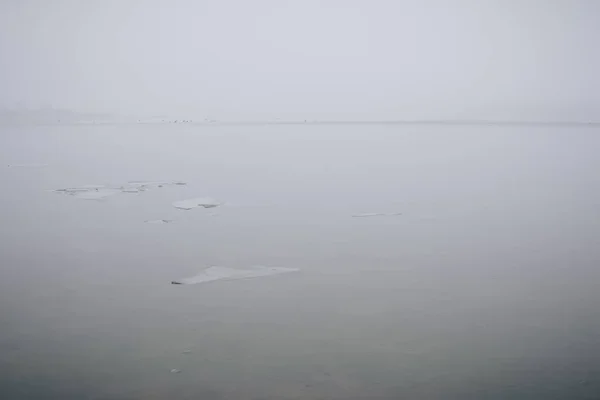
[304, 59]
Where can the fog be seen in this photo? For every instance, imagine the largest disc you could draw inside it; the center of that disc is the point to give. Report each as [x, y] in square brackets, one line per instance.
[446, 259]
[240, 60]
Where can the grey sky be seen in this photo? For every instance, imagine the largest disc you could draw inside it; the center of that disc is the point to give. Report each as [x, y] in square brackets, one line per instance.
[304, 59]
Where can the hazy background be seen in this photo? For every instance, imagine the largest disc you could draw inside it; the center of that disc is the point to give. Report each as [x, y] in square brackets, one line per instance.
[304, 59]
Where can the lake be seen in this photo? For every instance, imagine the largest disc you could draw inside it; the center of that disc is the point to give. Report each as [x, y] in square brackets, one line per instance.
[484, 287]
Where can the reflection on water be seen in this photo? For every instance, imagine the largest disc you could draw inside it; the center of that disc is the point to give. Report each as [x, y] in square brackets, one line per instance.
[484, 287]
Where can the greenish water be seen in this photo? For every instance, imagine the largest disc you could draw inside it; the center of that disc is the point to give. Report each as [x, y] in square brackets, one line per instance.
[484, 288]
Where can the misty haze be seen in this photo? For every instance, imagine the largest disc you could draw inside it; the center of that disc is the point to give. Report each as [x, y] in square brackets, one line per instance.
[300, 200]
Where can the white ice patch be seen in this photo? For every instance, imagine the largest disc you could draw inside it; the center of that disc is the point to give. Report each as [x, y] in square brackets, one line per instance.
[154, 184]
[71, 191]
[95, 194]
[88, 192]
[159, 221]
[27, 165]
[98, 192]
[376, 215]
[141, 186]
[130, 190]
[205, 202]
[225, 273]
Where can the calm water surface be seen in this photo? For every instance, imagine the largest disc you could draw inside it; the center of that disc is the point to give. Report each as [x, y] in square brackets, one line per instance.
[486, 287]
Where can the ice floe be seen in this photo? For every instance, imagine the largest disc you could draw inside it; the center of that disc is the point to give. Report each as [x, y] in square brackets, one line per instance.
[364, 215]
[188, 204]
[154, 184]
[225, 273]
[88, 192]
[96, 192]
[34, 165]
[158, 221]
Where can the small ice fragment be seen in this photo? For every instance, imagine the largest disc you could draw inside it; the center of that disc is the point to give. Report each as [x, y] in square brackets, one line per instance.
[158, 221]
[27, 165]
[143, 183]
[225, 273]
[187, 352]
[152, 184]
[130, 190]
[72, 190]
[93, 186]
[95, 194]
[375, 215]
[80, 189]
[205, 202]
[175, 371]
[88, 192]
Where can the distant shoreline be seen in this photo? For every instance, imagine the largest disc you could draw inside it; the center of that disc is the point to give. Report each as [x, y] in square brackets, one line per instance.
[306, 122]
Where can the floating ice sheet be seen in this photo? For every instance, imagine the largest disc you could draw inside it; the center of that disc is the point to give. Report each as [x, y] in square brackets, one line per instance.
[27, 165]
[158, 221]
[376, 215]
[71, 191]
[140, 186]
[95, 194]
[98, 192]
[154, 184]
[130, 190]
[89, 192]
[225, 273]
[205, 202]
[94, 187]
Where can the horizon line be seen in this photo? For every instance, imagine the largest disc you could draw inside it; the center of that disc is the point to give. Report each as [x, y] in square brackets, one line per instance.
[172, 121]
